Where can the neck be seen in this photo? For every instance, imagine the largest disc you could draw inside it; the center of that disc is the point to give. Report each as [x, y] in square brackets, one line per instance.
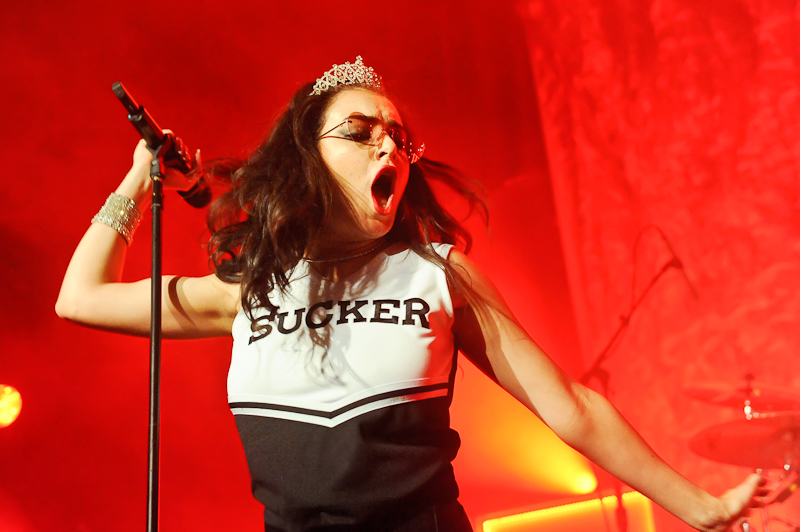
[344, 251]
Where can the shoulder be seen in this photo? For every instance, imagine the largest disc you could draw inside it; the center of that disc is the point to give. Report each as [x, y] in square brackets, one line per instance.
[443, 250]
[209, 294]
[475, 287]
[471, 277]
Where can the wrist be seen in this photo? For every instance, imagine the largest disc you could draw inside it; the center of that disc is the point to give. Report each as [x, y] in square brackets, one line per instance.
[712, 514]
[137, 186]
[121, 214]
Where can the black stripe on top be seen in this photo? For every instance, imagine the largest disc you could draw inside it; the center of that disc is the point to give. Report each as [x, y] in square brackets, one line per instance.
[344, 409]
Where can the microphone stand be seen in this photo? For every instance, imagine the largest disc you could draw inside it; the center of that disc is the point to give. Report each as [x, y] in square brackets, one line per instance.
[167, 150]
[153, 451]
[595, 370]
[602, 375]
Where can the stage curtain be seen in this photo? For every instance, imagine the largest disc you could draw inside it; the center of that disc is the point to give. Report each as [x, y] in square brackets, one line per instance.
[680, 114]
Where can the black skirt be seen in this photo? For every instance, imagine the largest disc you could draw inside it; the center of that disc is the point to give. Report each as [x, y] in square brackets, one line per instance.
[449, 517]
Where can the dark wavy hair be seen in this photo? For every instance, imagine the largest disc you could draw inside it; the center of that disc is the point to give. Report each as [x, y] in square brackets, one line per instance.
[280, 197]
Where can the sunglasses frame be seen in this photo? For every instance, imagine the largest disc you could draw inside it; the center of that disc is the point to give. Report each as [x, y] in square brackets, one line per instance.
[413, 155]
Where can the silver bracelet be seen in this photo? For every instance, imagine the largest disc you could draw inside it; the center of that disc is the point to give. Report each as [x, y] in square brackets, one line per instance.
[120, 214]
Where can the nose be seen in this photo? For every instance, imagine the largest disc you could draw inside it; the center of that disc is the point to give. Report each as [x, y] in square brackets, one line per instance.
[386, 145]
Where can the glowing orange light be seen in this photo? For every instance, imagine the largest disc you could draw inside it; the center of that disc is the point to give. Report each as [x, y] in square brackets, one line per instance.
[585, 483]
[510, 452]
[10, 405]
[592, 514]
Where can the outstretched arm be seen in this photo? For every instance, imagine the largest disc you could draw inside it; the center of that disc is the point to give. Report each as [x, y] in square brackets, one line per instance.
[488, 334]
[93, 295]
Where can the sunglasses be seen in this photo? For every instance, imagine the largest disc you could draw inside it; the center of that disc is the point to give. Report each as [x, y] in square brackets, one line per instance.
[369, 131]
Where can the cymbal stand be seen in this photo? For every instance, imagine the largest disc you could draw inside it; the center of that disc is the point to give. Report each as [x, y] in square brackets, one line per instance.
[748, 409]
[782, 490]
[794, 527]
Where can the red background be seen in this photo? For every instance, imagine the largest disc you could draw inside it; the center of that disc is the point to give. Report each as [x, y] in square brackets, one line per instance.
[682, 114]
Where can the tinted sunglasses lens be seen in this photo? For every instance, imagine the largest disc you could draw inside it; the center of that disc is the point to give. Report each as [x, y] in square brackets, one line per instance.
[401, 140]
[360, 130]
[399, 137]
[414, 152]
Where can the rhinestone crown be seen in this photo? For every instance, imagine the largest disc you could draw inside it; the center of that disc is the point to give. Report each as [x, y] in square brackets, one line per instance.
[347, 74]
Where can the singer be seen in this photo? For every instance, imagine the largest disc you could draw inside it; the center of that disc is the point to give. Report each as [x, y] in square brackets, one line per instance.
[348, 293]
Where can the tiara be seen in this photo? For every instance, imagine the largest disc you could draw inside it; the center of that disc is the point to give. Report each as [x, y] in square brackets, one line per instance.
[347, 74]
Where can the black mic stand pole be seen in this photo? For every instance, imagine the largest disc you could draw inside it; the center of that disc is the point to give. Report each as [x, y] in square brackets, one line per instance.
[163, 147]
[157, 169]
[596, 370]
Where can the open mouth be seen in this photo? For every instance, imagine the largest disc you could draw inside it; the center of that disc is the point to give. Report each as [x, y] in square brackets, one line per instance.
[383, 190]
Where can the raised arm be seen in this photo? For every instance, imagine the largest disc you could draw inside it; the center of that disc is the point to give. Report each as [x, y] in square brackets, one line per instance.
[489, 335]
[92, 294]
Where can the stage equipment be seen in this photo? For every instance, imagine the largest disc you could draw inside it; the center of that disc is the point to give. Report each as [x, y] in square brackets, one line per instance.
[759, 443]
[174, 155]
[767, 439]
[676, 262]
[10, 405]
[754, 400]
[168, 152]
[574, 515]
[601, 374]
[596, 370]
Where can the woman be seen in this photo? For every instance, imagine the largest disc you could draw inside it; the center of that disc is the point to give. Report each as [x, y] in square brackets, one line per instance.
[346, 313]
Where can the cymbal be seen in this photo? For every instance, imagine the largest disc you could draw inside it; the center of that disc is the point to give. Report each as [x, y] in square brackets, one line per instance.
[766, 443]
[762, 398]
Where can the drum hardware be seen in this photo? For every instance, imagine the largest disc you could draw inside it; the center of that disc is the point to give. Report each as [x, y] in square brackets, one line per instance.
[786, 522]
[767, 439]
[754, 400]
[757, 443]
[784, 489]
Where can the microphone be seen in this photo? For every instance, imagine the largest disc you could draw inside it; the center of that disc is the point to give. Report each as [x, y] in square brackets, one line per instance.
[177, 156]
[676, 262]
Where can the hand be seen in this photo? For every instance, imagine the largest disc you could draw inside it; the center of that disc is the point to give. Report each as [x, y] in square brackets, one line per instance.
[738, 502]
[173, 179]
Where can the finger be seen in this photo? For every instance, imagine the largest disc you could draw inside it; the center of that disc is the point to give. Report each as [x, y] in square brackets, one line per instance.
[741, 497]
[753, 483]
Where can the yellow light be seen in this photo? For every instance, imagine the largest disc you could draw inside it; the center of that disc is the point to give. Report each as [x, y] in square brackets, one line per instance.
[10, 405]
[498, 448]
[581, 515]
[585, 483]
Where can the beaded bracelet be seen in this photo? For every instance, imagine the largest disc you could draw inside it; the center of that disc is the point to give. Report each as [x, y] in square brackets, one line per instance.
[120, 214]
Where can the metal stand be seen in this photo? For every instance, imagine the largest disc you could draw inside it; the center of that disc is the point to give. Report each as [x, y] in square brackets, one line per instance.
[157, 207]
[595, 370]
[167, 149]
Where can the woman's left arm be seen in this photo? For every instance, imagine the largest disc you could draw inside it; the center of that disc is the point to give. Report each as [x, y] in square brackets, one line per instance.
[488, 334]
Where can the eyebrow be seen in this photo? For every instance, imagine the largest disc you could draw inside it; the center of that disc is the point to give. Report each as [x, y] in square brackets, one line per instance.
[392, 122]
